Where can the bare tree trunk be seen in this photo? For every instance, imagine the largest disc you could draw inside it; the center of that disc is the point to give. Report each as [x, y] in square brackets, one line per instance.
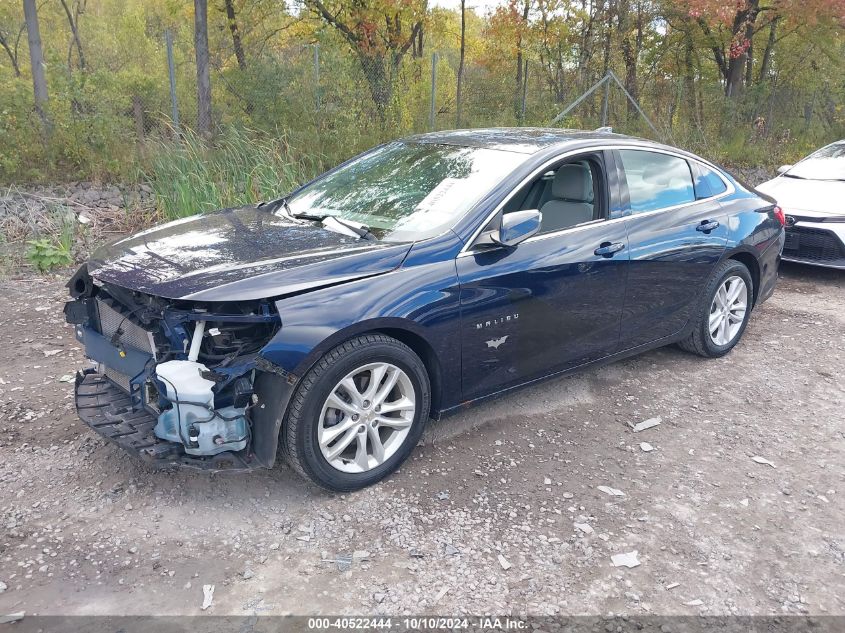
[733, 87]
[689, 76]
[526, 6]
[459, 96]
[36, 60]
[738, 66]
[13, 54]
[607, 9]
[75, 31]
[629, 54]
[608, 35]
[231, 18]
[138, 114]
[749, 55]
[417, 45]
[203, 79]
[765, 65]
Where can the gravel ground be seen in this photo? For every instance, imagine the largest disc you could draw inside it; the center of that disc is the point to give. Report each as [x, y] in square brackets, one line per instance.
[498, 510]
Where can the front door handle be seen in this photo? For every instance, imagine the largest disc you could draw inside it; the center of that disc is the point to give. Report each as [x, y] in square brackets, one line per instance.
[707, 225]
[607, 249]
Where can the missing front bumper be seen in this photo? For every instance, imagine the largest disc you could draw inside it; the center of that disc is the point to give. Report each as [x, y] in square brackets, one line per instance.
[108, 410]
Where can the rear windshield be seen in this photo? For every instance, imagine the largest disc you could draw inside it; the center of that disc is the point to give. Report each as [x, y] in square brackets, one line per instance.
[406, 191]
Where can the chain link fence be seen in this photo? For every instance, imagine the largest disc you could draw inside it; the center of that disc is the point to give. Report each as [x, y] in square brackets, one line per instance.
[320, 95]
[324, 99]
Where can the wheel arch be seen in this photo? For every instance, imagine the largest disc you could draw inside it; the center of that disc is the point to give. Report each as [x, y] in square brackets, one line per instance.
[403, 330]
[422, 348]
[749, 260]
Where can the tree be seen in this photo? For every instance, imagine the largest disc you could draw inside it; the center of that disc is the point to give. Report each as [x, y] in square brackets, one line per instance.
[740, 19]
[11, 48]
[459, 96]
[203, 79]
[522, 26]
[379, 35]
[36, 60]
[631, 32]
[73, 22]
[237, 45]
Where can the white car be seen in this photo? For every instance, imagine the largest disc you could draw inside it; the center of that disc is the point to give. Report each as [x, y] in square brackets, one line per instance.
[812, 195]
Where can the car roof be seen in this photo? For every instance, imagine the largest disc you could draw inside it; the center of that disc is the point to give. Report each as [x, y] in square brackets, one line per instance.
[525, 140]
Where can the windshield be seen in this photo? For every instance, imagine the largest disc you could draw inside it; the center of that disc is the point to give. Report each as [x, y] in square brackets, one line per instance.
[826, 164]
[407, 191]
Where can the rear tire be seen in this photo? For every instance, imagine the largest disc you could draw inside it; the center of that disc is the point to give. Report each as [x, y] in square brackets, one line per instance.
[358, 413]
[722, 312]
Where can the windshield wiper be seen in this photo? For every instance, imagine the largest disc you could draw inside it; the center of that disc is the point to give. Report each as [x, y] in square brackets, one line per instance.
[361, 230]
[309, 216]
[272, 205]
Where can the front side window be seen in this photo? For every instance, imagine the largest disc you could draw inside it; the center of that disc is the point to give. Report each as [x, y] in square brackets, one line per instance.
[406, 191]
[656, 181]
[567, 195]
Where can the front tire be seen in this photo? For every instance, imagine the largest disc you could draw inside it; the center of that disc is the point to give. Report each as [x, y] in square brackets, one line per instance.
[358, 413]
[723, 311]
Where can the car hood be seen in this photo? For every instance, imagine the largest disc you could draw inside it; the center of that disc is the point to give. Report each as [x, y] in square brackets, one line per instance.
[817, 197]
[237, 255]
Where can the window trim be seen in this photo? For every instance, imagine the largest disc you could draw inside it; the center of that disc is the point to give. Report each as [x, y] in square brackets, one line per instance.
[468, 248]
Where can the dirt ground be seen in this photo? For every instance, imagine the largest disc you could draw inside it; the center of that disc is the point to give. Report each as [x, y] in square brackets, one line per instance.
[86, 530]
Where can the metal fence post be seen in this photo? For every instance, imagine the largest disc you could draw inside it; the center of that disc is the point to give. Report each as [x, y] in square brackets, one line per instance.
[168, 39]
[524, 93]
[317, 76]
[605, 104]
[433, 91]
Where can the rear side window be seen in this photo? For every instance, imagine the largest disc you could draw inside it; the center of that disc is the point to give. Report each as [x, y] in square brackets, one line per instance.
[707, 182]
[656, 181]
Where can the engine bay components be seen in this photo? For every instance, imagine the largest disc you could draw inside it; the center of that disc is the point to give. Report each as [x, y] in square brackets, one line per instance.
[193, 420]
[173, 381]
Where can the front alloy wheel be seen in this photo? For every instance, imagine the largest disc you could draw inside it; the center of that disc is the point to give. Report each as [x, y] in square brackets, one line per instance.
[366, 417]
[358, 412]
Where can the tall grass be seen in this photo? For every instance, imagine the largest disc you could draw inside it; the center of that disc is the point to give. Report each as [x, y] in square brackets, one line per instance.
[240, 167]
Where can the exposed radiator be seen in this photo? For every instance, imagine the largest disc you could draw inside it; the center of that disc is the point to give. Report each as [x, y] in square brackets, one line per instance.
[132, 334]
[121, 380]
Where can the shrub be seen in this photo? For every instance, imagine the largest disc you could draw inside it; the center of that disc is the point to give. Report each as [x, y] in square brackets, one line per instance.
[241, 167]
[53, 251]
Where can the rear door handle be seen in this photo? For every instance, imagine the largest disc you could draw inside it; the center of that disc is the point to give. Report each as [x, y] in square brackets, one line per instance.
[607, 249]
[707, 225]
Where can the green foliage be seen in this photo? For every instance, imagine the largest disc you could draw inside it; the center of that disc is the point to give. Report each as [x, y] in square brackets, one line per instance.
[241, 167]
[48, 252]
[111, 119]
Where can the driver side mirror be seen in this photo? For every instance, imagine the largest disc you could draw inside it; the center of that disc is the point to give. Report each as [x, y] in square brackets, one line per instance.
[517, 227]
[784, 168]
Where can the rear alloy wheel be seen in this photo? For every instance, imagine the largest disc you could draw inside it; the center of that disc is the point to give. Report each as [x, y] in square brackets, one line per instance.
[727, 312]
[723, 311]
[358, 413]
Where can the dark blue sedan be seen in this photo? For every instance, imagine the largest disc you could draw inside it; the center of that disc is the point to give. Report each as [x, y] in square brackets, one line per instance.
[414, 279]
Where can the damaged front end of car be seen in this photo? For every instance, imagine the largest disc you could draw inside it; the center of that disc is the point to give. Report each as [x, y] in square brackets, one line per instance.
[174, 381]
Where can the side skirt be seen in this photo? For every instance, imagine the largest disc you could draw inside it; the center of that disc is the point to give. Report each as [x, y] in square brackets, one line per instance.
[634, 351]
